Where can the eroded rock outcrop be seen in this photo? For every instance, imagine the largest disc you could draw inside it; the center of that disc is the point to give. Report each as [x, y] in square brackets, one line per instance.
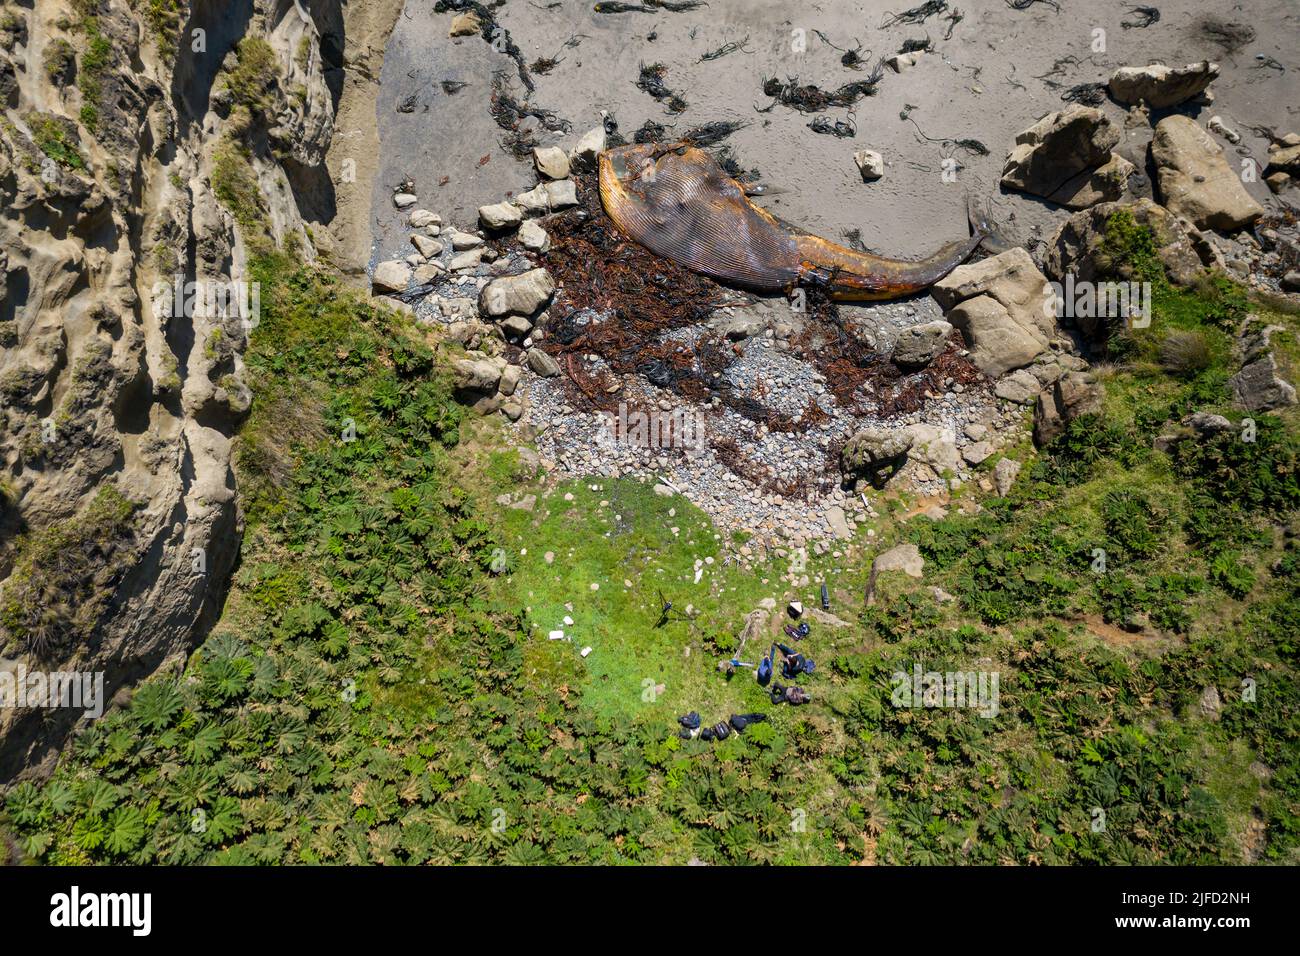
[1066, 157]
[1000, 306]
[1195, 179]
[131, 198]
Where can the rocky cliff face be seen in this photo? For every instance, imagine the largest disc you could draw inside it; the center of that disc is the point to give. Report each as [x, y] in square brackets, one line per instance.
[147, 152]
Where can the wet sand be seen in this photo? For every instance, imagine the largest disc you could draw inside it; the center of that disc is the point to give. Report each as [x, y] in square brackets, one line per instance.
[987, 82]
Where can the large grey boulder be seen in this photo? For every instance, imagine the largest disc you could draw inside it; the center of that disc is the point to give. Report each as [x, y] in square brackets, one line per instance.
[920, 345]
[1070, 397]
[521, 294]
[1195, 179]
[1258, 387]
[901, 557]
[1080, 246]
[390, 276]
[1161, 86]
[873, 451]
[1066, 157]
[1001, 306]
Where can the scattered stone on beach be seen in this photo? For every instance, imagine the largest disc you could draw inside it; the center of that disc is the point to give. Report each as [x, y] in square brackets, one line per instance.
[1216, 125]
[588, 149]
[391, 276]
[919, 345]
[542, 364]
[423, 219]
[469, 259]
[1195, 179]
[404, 200]
[1161, 86]
[872, 451]
[1066, 157]
[551, 161]
[521, 294]
[871, 165]
[500, 215]
[533, 237]
[998, 304]
[426, 246]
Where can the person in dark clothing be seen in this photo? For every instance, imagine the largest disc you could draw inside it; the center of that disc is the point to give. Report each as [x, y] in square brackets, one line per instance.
[741, 721]
[792, 695]
[794, 663]
[764, 674]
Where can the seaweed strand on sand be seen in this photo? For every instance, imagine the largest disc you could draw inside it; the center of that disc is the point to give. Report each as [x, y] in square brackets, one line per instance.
[508, 113]
[726, 50]
[810, 98]
[492, 32]
[1144, 17]
[916, 14]
[651, 80]
[969, 145]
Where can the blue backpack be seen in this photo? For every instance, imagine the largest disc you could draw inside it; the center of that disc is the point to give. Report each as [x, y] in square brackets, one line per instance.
[765, 671]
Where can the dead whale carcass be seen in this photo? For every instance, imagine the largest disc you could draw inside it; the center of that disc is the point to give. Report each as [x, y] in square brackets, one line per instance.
[675, 200]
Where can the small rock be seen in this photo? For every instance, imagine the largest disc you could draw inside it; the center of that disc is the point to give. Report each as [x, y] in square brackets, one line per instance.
[589, 148]
[534, 237]
[902, 557]
[391, 276]
[542, 364]
[1004, 475]
[920, 345]
[423, 219]
[500, 215]
[425, 246]
[551, 162]
[469, 259]
[522, 294]
[561, 194]
[1161, 86]
[870, 164]
[404, 200]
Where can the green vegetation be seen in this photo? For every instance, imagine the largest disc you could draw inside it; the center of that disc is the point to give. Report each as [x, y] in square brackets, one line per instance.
[252, 81]
[64, 576]
[164, 19]
[234, 182]
[58, 60]
[56, 137]
[94, 63]
[381, 687]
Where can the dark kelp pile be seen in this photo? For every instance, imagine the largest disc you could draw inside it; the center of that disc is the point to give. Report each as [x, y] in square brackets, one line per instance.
[631, 310]
[810, 98]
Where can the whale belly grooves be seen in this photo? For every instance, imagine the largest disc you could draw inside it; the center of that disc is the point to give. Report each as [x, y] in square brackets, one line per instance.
[676, 201]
